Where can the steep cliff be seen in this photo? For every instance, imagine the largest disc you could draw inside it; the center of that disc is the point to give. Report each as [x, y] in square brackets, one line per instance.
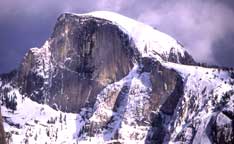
[122, 80]
[83, 55]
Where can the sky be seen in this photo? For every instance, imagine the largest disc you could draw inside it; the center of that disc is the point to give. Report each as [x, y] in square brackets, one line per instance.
[204, 27]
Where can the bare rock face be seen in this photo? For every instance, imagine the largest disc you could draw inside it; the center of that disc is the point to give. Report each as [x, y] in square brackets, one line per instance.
[82, 56]
[167, 88]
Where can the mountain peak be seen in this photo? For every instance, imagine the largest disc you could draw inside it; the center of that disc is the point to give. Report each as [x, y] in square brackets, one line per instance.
[104, 78]
[149, 41]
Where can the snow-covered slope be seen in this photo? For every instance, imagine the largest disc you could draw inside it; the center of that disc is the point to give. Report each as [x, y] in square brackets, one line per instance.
[123, 81]
[204, 91]
[37, 123]
[208, 93]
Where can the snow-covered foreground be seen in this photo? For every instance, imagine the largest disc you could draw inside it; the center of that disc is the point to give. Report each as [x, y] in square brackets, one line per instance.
[37, 123]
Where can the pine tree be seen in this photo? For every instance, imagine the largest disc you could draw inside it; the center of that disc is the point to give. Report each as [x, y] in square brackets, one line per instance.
[60, 118]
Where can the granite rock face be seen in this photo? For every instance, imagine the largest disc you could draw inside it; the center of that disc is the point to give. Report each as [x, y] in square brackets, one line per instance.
[83, 55]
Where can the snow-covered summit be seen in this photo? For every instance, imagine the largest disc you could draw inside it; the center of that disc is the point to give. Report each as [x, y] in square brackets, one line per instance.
[149, 41]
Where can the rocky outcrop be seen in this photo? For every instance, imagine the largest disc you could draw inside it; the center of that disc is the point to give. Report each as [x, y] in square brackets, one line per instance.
[223, 124]
[186, 59]
[223, 129]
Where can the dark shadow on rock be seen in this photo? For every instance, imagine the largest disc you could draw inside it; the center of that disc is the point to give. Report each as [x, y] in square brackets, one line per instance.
[111, 126]
[158, 132]
[170, 104]
[120, 106]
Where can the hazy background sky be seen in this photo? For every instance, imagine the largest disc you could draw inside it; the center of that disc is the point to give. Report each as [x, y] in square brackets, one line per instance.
[204, 27]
